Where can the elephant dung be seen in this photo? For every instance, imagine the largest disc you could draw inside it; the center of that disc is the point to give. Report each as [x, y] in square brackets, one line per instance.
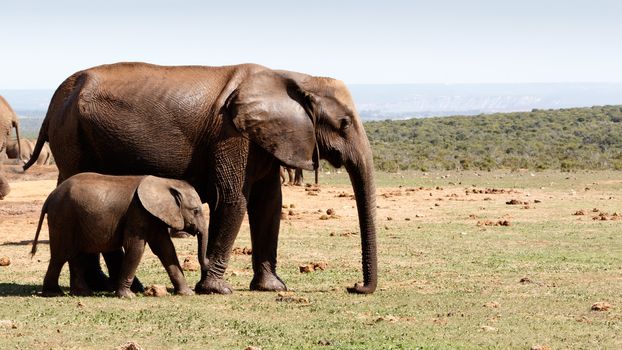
[156, 290]
[306, 268]
[5, 261]
[312, 191]
[130, 345]
[601, 306]
[290, 297]
[320, 265]
[190, 264]
[242, 251]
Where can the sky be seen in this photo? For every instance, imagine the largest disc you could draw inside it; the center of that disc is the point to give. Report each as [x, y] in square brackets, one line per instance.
[359, 42]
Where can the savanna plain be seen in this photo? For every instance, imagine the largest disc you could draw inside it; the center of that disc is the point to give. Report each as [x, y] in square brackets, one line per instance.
[467, 260]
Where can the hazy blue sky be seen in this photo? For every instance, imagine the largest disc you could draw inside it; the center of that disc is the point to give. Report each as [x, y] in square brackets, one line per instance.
[435, 41]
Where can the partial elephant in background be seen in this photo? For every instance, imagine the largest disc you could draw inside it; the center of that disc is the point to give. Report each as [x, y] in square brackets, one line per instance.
[24, 150]
[226, 130]
[92, 213]
[8, 120]
[294, 176]
[4, 187]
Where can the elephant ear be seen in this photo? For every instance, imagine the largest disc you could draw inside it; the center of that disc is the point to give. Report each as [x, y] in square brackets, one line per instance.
[267, 108]
[162, 200]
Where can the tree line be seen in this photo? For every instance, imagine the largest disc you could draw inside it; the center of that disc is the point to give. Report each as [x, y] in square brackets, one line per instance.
[564, 139]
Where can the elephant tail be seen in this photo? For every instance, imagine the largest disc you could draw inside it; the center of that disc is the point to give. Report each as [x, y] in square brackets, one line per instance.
[43, 137]
[44, 210]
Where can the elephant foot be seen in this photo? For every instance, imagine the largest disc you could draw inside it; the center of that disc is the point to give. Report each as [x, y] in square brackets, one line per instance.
[268, 282]
[213, 286]
[360, 288]
[125, 293]
[52, 292]
[184, 291]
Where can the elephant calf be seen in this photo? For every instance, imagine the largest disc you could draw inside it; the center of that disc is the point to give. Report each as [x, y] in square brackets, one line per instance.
[94, 213]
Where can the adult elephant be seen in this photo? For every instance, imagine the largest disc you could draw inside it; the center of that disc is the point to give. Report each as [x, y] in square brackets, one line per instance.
[8, 120]
[226, 130]
[23, 150]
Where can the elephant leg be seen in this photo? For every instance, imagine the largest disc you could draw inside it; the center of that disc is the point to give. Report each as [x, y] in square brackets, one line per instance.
[95, 278]
[114, 260]
[290, 175]
[77, 282]
[224, 224]
[50, 281]
[299, 177]
[282, 174]
[134, 249]
[162, 246]
[264, 216]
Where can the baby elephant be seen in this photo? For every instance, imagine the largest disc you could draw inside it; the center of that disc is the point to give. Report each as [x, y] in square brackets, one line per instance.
[94, 213]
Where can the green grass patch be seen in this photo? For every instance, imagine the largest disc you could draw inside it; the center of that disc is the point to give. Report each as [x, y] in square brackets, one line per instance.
[445, 283]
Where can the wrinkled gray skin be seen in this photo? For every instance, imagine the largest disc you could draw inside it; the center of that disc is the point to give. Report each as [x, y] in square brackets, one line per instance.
[8, 120]
[93, 213]
[226, 130]
[24, 150]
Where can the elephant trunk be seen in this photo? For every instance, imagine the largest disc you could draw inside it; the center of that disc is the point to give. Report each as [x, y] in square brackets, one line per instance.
[362, 178]
[202, 245]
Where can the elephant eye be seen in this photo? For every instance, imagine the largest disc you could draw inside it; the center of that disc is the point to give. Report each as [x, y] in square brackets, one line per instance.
[345, 123]
[196, 211]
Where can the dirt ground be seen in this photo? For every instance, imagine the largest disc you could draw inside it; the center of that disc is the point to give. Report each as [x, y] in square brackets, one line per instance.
[465, 257]
[333, 207]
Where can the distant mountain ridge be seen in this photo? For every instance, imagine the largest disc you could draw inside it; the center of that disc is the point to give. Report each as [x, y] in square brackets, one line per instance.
[401, 101]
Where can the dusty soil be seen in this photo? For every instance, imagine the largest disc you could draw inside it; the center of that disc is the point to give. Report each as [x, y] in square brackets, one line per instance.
[331, 207]
[441, 272]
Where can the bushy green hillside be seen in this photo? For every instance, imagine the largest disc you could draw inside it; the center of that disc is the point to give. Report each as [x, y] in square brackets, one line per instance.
[567, 139]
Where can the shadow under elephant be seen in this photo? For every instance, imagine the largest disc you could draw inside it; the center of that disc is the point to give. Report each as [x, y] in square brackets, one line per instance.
[18, 290]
